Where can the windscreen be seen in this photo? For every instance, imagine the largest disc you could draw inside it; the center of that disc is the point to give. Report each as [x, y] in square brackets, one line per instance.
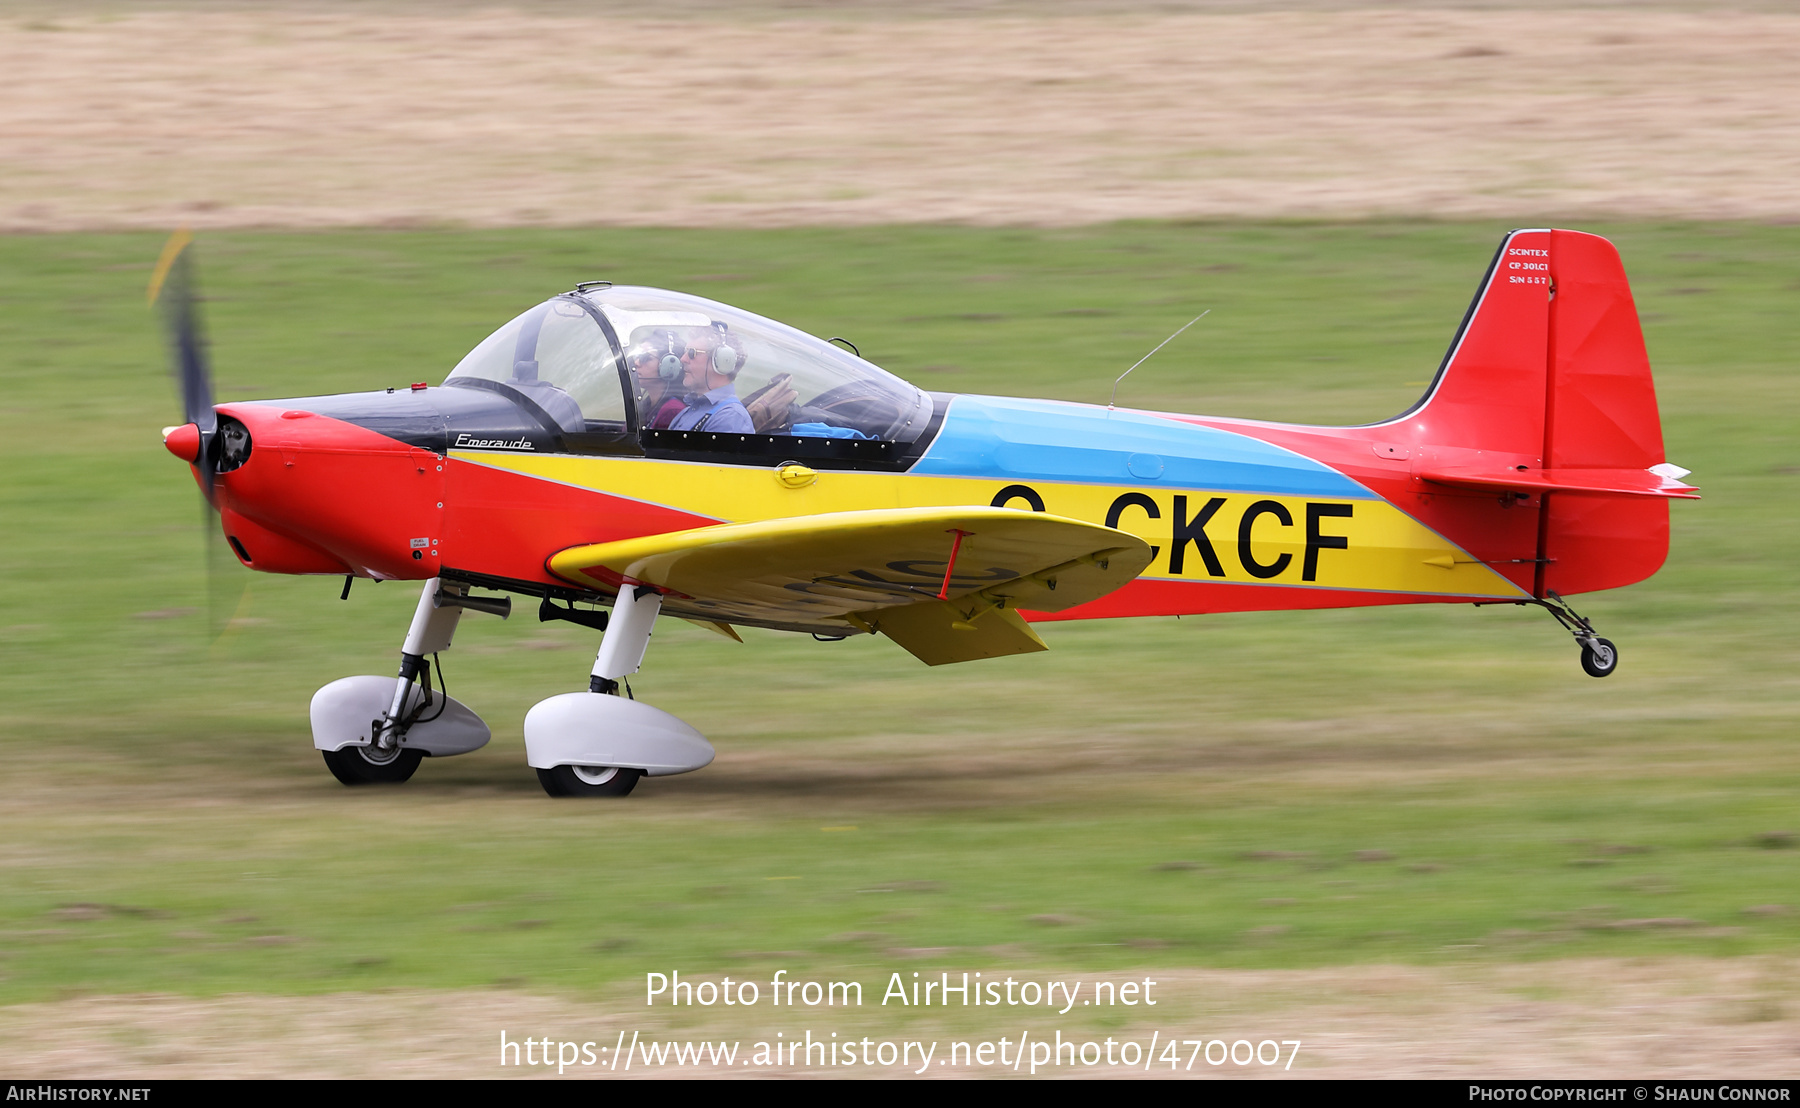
[556, 361]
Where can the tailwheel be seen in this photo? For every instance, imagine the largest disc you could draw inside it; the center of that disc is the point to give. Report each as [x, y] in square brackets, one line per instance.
[1599, 657]
[588, 780]
[363, 765]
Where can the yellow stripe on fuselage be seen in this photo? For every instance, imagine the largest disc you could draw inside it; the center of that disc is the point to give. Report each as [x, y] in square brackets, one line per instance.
[1383, 550]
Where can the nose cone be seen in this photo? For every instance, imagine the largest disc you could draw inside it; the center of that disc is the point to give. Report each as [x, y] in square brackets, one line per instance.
[183, 441]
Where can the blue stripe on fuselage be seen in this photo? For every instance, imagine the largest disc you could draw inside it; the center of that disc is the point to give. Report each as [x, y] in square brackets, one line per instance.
[1005, 438]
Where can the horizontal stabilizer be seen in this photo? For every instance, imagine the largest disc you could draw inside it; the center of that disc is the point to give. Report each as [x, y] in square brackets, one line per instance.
[1587, 482]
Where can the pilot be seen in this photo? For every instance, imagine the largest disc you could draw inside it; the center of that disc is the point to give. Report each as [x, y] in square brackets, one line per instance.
[710, 365]
[656, 366]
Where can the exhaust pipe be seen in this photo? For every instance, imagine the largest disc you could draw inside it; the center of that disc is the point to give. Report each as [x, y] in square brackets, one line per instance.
[493, 606]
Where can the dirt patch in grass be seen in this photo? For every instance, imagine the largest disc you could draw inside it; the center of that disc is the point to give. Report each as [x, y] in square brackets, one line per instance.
[301, 118]
[1681, 1018]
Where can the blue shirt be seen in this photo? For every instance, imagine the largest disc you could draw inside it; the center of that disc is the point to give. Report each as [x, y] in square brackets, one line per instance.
[719, 410]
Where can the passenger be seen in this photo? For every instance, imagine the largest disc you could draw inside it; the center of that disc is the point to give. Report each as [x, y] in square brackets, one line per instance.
[656, 368]
[710, 366]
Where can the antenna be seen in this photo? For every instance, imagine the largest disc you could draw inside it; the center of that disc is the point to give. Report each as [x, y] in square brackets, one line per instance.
[1110, 403]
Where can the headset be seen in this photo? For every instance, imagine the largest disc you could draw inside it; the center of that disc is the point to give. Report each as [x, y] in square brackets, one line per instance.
[725, 358]
[669, 366]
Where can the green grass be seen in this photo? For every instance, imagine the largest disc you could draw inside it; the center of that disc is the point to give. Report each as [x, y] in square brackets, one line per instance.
[1525, 807]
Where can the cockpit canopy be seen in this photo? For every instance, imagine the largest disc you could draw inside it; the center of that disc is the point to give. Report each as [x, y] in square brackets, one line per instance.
[634, 358]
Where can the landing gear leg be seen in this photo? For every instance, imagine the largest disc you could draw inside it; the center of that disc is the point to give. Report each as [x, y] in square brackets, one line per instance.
[627, 637]
[433, 626]
[1599, 657]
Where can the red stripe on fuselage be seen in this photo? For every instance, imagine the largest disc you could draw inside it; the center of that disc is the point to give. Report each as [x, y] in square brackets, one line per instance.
[507, 524]
[1155, 597]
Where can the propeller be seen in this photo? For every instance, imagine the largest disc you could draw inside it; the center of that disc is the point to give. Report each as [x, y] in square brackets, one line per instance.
[173, 291]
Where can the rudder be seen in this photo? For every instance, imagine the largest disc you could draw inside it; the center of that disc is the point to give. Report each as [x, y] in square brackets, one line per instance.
[1601, 411]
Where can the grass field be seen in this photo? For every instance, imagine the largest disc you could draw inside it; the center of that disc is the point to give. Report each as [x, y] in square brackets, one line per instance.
[1152, 794]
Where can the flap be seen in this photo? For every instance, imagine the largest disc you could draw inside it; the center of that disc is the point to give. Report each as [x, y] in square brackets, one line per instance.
[806, 569]
[1590, 482]
[938, 633]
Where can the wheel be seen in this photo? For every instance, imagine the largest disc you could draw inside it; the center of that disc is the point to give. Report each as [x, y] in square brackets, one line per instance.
[588, 780]
[1600, 659]
[353, 765]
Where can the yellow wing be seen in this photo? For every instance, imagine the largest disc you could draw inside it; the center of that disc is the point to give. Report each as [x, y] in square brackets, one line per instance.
[823, 571]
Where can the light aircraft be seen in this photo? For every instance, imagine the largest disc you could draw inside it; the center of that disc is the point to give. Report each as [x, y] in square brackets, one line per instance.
[624, 454]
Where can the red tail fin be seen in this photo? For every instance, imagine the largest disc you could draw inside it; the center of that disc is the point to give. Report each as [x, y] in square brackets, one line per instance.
[1547, 391]
[1535, 446]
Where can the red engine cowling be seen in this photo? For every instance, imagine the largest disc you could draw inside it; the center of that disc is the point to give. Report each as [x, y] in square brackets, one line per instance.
[325, 496]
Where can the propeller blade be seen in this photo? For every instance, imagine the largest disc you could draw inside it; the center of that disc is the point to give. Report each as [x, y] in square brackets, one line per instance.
[173, 289]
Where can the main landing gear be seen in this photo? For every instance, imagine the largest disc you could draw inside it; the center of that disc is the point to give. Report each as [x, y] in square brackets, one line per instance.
[376, 730]
[598, 743]
[1599, 657]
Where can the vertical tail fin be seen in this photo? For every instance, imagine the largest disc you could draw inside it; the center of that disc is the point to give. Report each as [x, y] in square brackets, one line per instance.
[1550, 360]
[1547, 392]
